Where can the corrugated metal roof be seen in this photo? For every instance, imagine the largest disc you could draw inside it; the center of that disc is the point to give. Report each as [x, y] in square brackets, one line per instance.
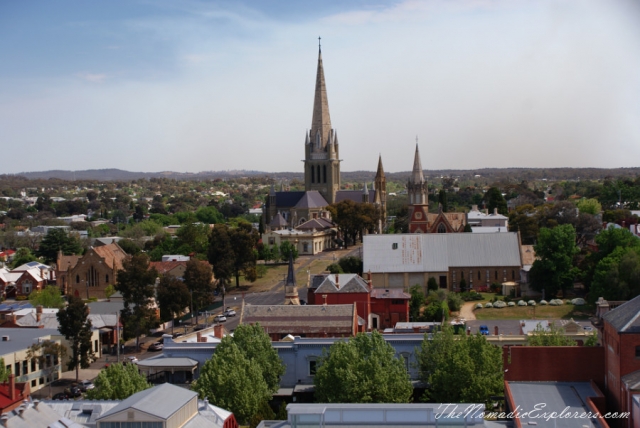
[161, 401]
[437, 252]
[626, 317]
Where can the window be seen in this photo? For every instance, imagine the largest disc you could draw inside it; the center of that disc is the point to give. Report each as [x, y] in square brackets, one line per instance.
[272, 241]
[394, 246]
[33, 383]
[17, 372]
[496, 275]
[305, 247]
[41, 381]
[397, 302]
[312, 367]
[313, 174]
[324, 173]
[479, 276]
[442, 228]
[637, 351]
[25, 367]
[26, 288]
[513, 274]
[77, 279]
[33, 365]
[106, 278]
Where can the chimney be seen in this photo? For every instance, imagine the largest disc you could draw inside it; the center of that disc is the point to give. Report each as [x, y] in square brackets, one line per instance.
[12, 387]
[337, 281]
[217, 331]
[495, 211]
[39, 313]
[14, 317]
[474, 208]
[198, 337]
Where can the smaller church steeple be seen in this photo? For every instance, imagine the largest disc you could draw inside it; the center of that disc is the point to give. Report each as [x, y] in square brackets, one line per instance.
[290, 290]
[365, 193]
[417, 186]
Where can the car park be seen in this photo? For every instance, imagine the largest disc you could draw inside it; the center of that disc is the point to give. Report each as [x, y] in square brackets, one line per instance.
[484, 330]
[220, 318]
[85, 385]
[156, 346]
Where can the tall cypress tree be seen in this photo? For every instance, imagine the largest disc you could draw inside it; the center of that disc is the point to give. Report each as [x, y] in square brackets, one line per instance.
[76, 328]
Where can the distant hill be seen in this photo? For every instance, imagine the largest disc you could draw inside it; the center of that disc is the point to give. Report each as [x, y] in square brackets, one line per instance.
[496, 174]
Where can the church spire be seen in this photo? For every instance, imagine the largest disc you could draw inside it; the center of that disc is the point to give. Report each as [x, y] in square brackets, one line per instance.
[290, 291]
[380, 172]
[321, 121]
[416, 174]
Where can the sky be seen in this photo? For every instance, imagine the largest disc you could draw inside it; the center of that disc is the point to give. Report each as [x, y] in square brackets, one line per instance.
[192, 86]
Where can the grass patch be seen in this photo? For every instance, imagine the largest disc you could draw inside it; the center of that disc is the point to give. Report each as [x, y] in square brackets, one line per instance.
[537, 312]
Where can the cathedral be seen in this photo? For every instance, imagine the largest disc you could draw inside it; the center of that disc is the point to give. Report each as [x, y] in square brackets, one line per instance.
[289, 209]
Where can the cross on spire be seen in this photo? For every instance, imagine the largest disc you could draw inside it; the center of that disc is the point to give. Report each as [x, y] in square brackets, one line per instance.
[319, 45]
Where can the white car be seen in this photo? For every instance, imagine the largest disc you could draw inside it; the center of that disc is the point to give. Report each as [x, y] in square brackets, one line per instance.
[85, 385]
[220, 318]
[132, 359]
[229, 313]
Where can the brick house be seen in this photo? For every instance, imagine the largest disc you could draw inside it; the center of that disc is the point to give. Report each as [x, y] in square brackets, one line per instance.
[95, 270]
[621, 340]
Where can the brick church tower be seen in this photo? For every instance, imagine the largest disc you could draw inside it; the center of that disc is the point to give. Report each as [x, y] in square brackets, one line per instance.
[418, 198]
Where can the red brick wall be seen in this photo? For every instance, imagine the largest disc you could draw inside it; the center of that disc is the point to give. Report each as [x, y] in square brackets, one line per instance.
[620, 360]
[555, 363]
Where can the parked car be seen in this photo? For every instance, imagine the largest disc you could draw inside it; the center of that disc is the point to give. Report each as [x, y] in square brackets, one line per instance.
[60, 396]
[85, 385]
[73, 392]
[156, 346]
[132, 359]
[229, 313]
[484, 330]
[588, 328]
[220, 318]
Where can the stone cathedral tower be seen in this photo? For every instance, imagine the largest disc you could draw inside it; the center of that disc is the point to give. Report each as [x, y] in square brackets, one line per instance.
[321, 150]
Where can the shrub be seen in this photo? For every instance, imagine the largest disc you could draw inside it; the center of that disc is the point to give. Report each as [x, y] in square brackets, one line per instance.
[511, 304]
[470, 296]
[556, 302]
[454, 302]
[543, 302]
[522, 303]
[432, 284]
[488, 305]
[531, 303]
[334, 268]
[479, 306]
[499, 304]
[579, 301]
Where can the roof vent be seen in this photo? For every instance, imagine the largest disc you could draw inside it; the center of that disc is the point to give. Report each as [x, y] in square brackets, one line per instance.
[5, 338]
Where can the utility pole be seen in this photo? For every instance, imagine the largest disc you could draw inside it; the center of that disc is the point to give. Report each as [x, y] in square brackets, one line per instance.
[118, 336]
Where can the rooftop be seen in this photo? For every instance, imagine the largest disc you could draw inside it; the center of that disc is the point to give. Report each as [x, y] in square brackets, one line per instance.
[22, 338]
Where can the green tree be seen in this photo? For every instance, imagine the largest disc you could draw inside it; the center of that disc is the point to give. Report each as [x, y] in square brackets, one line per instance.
[232, 381]
[417, 301]
[198, 278]
[524, 219]
[617, 276]
[23, 255]
[49, 297]
[48, 354]
[75, 326]
[287, 248]
[442, 200]
[220, 254]
[590, 206]
[58, 240]
[554, 336]
[463, 285]
[351, 264]
[256, 346]
[136, 284]
[209, 215]
[364, 369]
[432, 284]
[494, 199]
[192, 237]
[553, 270]
[4, 373]
[460, 368]
[173, 297]
[109, 290]
[243, 242]
[118, 382]
[353, 218]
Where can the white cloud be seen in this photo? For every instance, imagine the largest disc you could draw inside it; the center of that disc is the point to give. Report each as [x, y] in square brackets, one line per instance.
[92, 77]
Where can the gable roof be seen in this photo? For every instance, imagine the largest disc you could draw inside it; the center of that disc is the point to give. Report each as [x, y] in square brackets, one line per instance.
[64, 263]
[288, 199]
[437, 252]
[330, 319]
[161, 401]
[347, 282]
[353, 195]
[112, 254]
[626, 317]
[319, 223]
[278, 221]
[312, 199]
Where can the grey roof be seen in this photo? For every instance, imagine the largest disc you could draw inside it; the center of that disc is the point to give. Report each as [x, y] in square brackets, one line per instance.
[319, 223]
[278, 221]
[22, 338]
[42, 416]
[288, 199]
[105, 307]
[348, 282]
[312, 199]
[168, 362]
[161, 401]
[632, 380]
[330, 319]
[49, 321]
[626, 317]
[84, 412]
[353, 195]
[556, 396]
[437, 252]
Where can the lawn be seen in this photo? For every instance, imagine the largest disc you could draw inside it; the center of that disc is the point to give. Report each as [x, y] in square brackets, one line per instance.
[536, 312]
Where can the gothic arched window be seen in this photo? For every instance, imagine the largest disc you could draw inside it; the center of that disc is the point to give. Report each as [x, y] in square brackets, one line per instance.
[324, 173]
[319, 174]
[442, 228]
[313, 174]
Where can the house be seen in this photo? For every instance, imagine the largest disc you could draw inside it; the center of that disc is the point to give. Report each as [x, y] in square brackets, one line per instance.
[621, 340]
[12, 394]
[380, 308]
[311, 237]
[483, 222]
[278, 321]
[163, 405]
[404, 260]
